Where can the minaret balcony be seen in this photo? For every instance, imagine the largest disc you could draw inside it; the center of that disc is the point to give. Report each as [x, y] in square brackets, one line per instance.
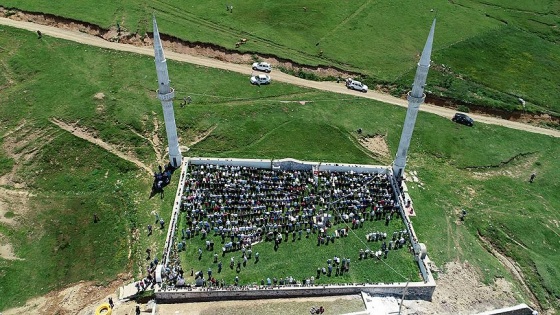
[166, 97]
[414, 99]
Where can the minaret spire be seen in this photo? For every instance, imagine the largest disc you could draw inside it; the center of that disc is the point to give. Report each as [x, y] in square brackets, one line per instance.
[415, 98]
[166, 94]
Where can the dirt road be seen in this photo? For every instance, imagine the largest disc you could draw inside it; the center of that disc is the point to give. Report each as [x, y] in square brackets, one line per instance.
[87, 39]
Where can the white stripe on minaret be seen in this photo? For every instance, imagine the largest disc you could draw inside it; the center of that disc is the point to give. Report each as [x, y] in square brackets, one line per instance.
[415, 98]
[166, 94]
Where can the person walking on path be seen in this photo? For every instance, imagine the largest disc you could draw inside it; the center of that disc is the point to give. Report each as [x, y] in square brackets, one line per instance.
[111, 304]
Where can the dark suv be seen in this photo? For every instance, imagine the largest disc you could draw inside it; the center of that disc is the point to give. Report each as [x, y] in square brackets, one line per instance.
[463, 119]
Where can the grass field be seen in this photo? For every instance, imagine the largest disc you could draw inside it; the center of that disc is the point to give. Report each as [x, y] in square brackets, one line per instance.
[70, 179]
[300, 258]
[495, 51]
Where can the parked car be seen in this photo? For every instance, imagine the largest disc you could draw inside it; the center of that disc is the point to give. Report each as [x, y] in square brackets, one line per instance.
[262, 66]
[356, 85]
[260, 79]
[463, 119]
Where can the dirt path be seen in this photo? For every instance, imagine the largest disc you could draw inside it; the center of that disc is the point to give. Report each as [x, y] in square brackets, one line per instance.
[87, 39]
[76, 131]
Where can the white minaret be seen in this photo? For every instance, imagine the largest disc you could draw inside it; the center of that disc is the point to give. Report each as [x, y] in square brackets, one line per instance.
[166, 94]
[415, 98]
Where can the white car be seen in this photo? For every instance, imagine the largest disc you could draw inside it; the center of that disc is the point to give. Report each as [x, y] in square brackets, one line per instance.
[356, 85]
[262, 66]
[260, 79]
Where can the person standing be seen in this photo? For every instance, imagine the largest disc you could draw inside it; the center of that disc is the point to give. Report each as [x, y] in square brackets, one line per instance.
[532, 178]
[111, 304]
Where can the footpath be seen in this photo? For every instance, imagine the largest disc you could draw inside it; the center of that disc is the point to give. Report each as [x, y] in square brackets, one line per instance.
[340, 88]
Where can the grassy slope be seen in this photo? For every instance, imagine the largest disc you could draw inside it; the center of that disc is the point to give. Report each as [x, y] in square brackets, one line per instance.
[250, 122]
[381, 39]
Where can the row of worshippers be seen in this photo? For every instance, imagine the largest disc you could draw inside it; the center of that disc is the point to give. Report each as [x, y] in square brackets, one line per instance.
[205, 201]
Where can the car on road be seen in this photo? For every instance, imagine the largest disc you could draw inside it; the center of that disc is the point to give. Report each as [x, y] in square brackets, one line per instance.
[262, 66]
[463, 119]
[356, 85]
[260, 79]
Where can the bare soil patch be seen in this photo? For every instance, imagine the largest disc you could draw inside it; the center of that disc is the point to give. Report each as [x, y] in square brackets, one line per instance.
[376, 144]
[15, 203]
[99, 96]
[80, 298]
[6, 250]
[460, 291]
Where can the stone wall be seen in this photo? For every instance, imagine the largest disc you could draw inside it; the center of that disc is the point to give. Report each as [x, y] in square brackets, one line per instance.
[291, 164]
[414, 291]
[521, 309]
[266, 164]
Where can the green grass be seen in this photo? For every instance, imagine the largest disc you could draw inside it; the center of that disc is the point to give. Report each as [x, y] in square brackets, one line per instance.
[491, 46]
[301, 257]
[70, 179]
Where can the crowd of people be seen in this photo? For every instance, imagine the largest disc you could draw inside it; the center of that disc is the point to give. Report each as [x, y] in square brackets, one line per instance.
[246, 204]
[242, 206]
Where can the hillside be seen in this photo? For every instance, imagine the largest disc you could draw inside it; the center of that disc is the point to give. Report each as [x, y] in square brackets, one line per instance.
[485, 50]
[49, 101]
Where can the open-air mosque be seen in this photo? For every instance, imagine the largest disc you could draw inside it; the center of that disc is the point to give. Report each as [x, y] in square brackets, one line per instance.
[246, 201]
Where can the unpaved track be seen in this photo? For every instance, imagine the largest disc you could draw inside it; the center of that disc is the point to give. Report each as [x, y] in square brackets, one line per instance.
[277, 75]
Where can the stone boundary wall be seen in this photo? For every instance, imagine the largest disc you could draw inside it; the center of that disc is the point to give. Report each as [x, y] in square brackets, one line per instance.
[291, 164]
[419, 249]
[521, 309]
[414, 291]
[171, 229]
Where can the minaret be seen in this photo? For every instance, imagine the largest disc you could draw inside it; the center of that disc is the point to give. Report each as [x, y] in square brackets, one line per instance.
[166, 94]
[415, 98]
